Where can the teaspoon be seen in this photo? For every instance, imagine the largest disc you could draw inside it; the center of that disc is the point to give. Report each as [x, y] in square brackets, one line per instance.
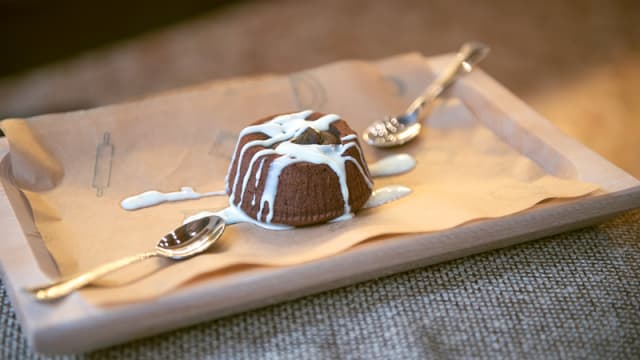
[396, 131]
[184, 242]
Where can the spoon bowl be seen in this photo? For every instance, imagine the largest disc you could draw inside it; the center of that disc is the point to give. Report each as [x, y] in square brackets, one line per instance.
[191, 238]
[398, 130]
[184, 242]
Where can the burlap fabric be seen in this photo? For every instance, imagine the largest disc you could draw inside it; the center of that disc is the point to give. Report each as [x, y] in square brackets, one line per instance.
[574, 295]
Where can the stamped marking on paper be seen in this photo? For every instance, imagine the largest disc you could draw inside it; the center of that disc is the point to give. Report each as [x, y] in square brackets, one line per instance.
[223, 144]
[399, 85]
[102, 166]
[308, 91]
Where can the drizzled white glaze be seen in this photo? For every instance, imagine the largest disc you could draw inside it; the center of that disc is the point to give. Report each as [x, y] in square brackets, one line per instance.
[392, 165]
[153, 197]
[281, 130]
[233, 215]
[386, 194]
[258, 174]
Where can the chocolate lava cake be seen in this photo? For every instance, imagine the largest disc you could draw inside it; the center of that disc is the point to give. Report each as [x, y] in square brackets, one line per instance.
[298, 169]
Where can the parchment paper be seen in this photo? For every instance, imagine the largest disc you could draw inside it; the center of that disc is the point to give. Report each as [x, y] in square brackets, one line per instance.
[185, 138]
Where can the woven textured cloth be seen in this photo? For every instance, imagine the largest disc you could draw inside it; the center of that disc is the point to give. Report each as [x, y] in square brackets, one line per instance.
[574, 295]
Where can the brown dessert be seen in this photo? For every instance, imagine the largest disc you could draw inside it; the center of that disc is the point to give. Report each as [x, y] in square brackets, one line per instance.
[298, 169]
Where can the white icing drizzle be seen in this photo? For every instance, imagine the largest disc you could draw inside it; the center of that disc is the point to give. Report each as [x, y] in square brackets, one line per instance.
[281, 130]
[233, 215]
[386, 194]
[259, 172]
[342, 217]
[153, 197]
[349, 137]
[392, 165]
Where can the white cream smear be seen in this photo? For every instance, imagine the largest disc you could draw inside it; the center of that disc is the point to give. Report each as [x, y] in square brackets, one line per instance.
[153, 197]
[387, 166]
[386, 194]
[233, 215]
[392, 165]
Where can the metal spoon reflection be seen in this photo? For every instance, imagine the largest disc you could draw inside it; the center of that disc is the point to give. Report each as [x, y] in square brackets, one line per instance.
[184, 242]
[398, 130]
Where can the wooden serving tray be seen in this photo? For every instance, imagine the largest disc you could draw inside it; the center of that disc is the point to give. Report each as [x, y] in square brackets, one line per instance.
[73, 325]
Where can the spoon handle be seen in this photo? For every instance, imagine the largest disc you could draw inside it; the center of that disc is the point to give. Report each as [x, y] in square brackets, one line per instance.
[66, 286]
[469, 54]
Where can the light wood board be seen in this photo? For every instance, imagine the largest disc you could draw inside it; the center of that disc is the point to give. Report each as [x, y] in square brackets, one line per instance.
[73, 325]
